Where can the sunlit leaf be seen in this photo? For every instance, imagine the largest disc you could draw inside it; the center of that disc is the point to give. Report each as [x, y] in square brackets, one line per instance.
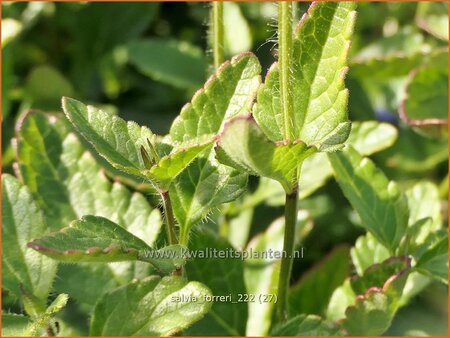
[150, 307]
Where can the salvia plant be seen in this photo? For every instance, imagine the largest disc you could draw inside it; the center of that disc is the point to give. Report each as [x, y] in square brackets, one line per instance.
[65, 220]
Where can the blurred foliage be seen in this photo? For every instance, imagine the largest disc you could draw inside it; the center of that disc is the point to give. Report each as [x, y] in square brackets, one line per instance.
[145, 61]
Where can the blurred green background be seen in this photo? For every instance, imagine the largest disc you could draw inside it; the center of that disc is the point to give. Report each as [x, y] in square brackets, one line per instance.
[144, 61]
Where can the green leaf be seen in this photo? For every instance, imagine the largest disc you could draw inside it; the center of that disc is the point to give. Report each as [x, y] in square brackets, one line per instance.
[425, 105]
[150, 307]
[261, 274]
[391, 56]
[22, 221]
[416, 154]
[377, 274]
[370, 137]
[374, 310]
[97, 239]
[91, 239]
[123, 143]
[243, 146]
[319, 283]
[224, 277]
[424, 203]
[306, 325]
[47, 97]
[67, 183]
[321, 44]
[167, 259]
[176, 63]
[206, 184]
[367, 137]
[341, 299]
[49, 155]
[382, 207]
[366, 252]
[433, 18]
[237, 35]
[170, 166]
[87, 282]
[114, 17]
[116, 140]
[370, 316]
[434, 262]
[229, 92]
[14, 325]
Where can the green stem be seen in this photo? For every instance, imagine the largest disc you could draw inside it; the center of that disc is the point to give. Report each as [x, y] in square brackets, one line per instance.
[295, 10]
[284, 62]
[217, 37]
[170, 219]
[290, 215]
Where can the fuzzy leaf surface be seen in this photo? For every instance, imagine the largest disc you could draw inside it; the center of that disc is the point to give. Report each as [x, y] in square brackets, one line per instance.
[115, 139]
[150, 307]
[97, 239]
[243, 145]
[206, 183]
[367, 137]
[120, 143]
[170, 166]
[22, 220]
[320, 48]
[90, 239]
[380, 204]
[229, 92]
[67, 183]
[50, 155]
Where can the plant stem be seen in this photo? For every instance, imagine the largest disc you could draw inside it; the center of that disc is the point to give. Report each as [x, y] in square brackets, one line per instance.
[217, 28]
[290, 215]
[170, 219]
[284, 62]
[295, 9]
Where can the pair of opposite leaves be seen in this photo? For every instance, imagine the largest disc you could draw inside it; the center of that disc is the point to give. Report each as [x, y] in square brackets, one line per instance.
[218, 113]
[255, 142]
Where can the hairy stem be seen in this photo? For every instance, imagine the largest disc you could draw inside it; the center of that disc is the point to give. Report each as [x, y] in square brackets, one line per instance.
[284, 61]
[217, 30]
[295, 9]
[170, 219]
[290, 214]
